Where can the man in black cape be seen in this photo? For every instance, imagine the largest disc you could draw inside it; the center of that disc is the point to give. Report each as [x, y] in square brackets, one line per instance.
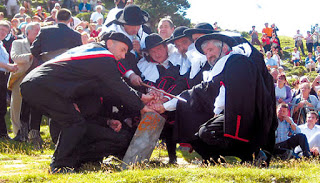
[234, 106]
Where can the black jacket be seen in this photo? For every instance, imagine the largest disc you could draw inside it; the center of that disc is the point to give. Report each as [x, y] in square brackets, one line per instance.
[53, 38]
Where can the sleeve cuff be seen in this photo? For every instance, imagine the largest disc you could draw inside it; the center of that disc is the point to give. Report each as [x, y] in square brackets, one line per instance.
[171, 105]
[128, 73]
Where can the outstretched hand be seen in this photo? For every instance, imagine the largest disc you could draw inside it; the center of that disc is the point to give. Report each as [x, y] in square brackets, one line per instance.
[135, 79]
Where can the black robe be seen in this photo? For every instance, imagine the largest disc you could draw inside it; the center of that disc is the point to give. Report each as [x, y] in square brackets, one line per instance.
[246, 104]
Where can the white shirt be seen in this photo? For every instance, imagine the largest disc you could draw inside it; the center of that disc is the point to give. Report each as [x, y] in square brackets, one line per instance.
[296, 55]
[112, 15]
[309, 132]
[4, 56]
[95, 16]
[12, 3]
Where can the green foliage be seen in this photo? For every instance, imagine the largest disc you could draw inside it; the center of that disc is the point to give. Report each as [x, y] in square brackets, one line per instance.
[159, 9]
[299, 71]
[84, 16]
[246, 35]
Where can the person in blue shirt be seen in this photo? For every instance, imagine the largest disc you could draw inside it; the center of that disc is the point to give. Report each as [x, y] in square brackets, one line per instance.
[270, 62]
[288, 136]
[310, 62]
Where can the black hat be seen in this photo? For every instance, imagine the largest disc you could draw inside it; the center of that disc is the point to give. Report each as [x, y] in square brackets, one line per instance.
[153, 40]
[132, 15]
[118, 36]
[200, 28]
[229, 40]
[178, 33]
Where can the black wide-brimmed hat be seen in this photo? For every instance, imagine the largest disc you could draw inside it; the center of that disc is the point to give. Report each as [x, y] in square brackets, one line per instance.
[152, 41]
[178, 33]
[132, 15]
[118, 36]
[229, 40]
[200, 28]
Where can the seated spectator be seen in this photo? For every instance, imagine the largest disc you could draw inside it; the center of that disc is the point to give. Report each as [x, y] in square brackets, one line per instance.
[318, 65]
[84, 7]
[40, 14]
[21, 14]
[274, 73]
[312, 132]
[14, 27]
[295, 57]
[275, 41]
[315, 86]
[74, 22]
[275, 55]
[99, 23]
[303, 103]
[270, 62]
[288, 136]
[265, 42]
[85, 37]
[310, 62]
[309, 41]
[92, 30]
[57, 6]
[281, 70]
[36, 19]
[97, 14]
[28, 19]
[282, 90]
[1, 15]
[52, 17]
[317, 52]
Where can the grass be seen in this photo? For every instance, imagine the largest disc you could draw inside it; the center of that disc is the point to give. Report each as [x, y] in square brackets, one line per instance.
[20, 163]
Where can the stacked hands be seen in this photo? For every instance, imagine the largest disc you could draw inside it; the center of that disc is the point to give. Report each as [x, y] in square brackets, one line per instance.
[153, 101]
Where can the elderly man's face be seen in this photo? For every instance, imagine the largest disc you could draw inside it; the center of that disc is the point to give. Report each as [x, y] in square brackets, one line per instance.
[117, 48]
[32, 34]
[132, 29]
[182, 45]
[305, 88]
[165, 30]
[3, 32]
[159, 53]
[212, 52]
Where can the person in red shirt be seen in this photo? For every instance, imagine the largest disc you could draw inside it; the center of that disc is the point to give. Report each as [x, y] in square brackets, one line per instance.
[266, 42]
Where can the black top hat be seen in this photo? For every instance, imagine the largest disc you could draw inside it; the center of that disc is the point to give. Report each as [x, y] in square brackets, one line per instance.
[118, 36]
[132, 15]
[153, 40]
[230, 41]
[200, 28]
[178, 33]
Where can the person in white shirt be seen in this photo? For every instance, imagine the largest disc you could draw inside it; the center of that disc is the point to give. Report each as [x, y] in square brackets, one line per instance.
[295, 57]
[312, 131]
[97, 14]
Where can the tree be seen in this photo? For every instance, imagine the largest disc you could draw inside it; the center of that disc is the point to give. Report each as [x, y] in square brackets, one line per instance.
[158, 9]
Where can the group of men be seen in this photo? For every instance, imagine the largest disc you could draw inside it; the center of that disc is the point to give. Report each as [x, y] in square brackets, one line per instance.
[230, 108]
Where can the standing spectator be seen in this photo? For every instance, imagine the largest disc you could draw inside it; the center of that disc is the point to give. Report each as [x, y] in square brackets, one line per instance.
[267, 30]
[21, 55]
[27, 5]
[309, 41]
[275, 29]
[310, 62]
[216, 27]
[47, 45]
[255, 37]
[84, 7]
[4, 67]
[295, 57]
[282, 90]
[40, 14]
[93, 4]
[97, 14]
[119, 5]
[315, 36]
[265, 42]
[270, 62]
[165, 28]
[298, 41]
[12, 7]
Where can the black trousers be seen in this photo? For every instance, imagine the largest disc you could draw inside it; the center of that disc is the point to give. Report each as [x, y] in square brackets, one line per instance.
[294, 141]
[211, 143]
[3, 103]
[31, 116]
[63, 112]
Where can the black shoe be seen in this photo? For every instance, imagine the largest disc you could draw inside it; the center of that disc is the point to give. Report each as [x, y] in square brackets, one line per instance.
[18, 137]
[61, 170]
